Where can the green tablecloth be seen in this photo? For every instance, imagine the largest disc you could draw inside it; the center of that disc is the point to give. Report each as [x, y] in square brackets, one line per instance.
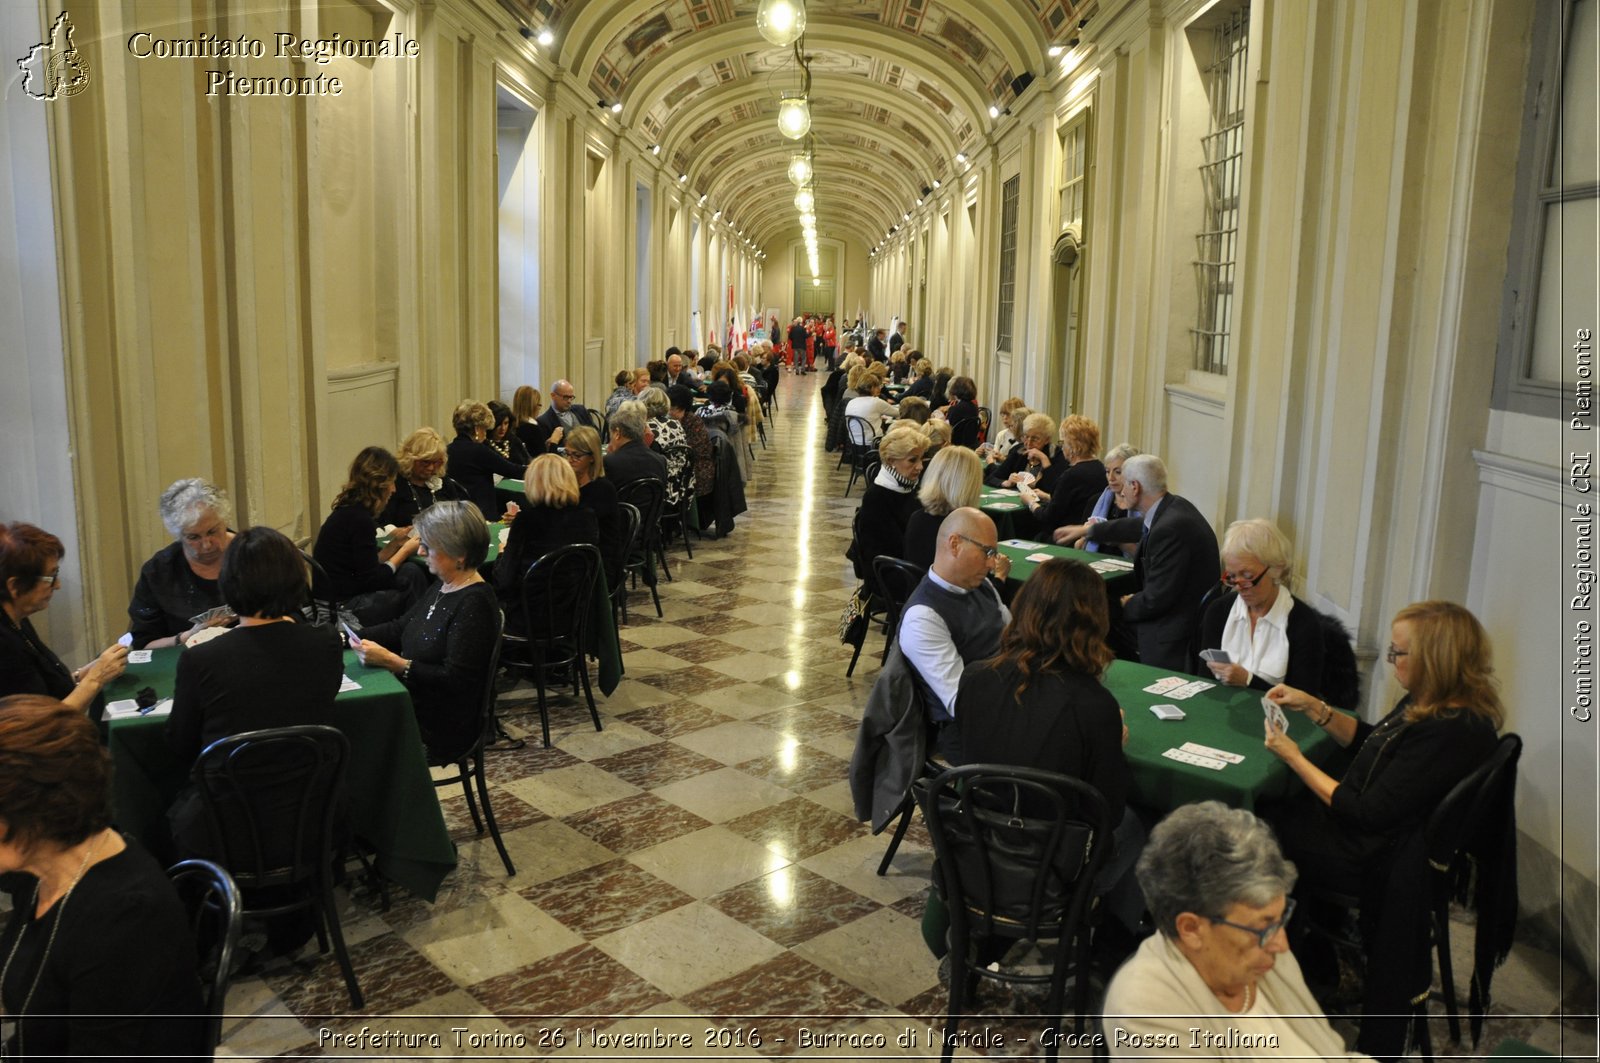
[1005, 508]
[391, 798]
[602, 624]
[1226, 718]
[1118, 569]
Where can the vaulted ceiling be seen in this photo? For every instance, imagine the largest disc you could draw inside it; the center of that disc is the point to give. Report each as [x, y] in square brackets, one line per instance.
[899, 88]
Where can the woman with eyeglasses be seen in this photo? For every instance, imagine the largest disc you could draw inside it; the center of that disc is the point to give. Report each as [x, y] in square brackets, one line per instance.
[30, 572]
[1354, 834]
[422, 480]
[1267, 634]
[1217, 980]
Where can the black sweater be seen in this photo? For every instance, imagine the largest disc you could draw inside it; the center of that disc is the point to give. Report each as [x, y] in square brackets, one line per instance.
[347, 549]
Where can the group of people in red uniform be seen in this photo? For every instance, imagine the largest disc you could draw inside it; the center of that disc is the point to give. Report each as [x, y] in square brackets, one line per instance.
[809, 336]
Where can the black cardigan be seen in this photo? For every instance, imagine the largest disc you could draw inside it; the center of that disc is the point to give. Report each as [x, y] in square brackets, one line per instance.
[1305, 644]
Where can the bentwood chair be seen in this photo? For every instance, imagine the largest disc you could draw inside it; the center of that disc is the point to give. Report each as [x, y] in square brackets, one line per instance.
[215, 912]
[648, 496]
[271, 797]
[860, 446]
[1017, 852]
[617, 583]
[468, 761]
[556, 596]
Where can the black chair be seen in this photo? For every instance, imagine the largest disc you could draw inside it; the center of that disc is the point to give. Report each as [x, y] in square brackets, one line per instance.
[860, 447]
[680, 513]
[648, 496]
[215, 911]
[1017, 850]
[770, 399]
[896, 579]
[271, 797]
[468, 762]
[595, 419]
[985, 418]
[556, 593]
[322, 605]
[618, 587]
[875, 601]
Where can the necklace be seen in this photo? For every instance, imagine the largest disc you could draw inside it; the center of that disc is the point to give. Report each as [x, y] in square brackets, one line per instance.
[44, 957]
[450, 588]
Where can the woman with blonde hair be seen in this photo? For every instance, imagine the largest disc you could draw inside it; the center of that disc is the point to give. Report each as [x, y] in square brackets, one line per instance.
[526, 404]
[599, 496]
[937, 434]
[952, 480]
[551, 519]
[422, 480]
[1071, 494]
[888, 502]
[474, 462]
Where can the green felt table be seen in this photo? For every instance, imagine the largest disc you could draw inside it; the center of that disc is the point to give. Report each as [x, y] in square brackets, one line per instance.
[1022, 568]
[390, 795]
[1005, 508]
[602, 624]
[1224, 717]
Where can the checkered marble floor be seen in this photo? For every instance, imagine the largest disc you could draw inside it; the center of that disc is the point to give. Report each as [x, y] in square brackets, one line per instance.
[693, 870]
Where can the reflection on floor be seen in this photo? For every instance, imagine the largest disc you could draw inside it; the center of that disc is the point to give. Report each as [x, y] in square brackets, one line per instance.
[696, 863]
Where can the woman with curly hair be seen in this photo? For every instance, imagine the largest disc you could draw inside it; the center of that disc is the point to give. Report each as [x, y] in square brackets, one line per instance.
[375, 585]
[1040, 703]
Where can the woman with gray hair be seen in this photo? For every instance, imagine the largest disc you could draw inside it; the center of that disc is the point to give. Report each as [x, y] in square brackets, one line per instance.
[1217, 980]
[178, 585]
[440, 648]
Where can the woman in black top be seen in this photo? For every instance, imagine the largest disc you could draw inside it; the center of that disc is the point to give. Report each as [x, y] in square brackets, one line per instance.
[502, 439]
[526, 403]
[962, 413]
[180, 581]
[888, 502]
[30, 571]
[375, 585]
[552, 519]
[599, 496]
[474, 463]
[1040, 703]
[440, 649]
[422, 480]
[952, 480]
[1074, 491]
[96, 959]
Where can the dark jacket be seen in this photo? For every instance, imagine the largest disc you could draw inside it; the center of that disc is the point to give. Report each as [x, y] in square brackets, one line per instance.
[1305, 644]
[167, 595]
[1176, 566]
[1073, 495]
[634, 461]
[474, 466]
[347, 549]
[891, 743]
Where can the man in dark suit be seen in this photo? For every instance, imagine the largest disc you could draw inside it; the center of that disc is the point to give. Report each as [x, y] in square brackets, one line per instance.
[1177, 562]
[876, 349]
[628, 457]
[898, 340]
[564, 412]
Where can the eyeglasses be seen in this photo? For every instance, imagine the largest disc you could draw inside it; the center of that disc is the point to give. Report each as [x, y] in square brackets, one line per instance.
[568, 395]
[991, 552]
[1394, 652]
[573, 452]
[1241, 581]
[1264, 934]
[52, 579]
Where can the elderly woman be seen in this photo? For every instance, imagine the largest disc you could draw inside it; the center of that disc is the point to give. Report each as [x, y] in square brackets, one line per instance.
[98, 958]
[889, 501]
[1071, 494]
[868, 406]
[668, 440]
[1268, 635]
[422, 480]
[268, 672]
[630, 383]
[1217, 979]
[526, 403]
[937, 434]
[180, 582]
[375, 585]
[1105, 507]
[1040, 703]
[473, 462]
[440, 648]
[1009, 430]
[921, 380]
[30, 571]
[502, 437]
[914, 409]
[551, 519]
[598, 495]
[952, 480]
[1031, 454]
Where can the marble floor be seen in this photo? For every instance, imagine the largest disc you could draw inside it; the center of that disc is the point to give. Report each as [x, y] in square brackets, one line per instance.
[693, 871]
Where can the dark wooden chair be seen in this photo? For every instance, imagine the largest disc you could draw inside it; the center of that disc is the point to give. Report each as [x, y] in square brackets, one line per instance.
[556, 596]
[215, 912]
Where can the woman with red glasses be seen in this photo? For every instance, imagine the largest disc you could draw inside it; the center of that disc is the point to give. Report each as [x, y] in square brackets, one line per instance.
[1267, 635]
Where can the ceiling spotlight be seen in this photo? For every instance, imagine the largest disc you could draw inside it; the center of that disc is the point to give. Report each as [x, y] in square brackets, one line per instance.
[781, 21]
[961, 156]
[799, 168]
[716, 214]
[655, 149]
[994, 110]
[919, 202]
[794, 117]
[1055, 50]
[616, 108]
[936, 182]
[546, 38]
[705, 197]
[905, 217]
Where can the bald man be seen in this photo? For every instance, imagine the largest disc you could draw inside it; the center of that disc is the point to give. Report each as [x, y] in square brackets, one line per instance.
[954, 617]
[564, 410]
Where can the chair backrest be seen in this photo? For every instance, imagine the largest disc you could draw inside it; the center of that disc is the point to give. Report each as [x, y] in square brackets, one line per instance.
[556, 591]
[596, 420]
[630, 540]
[271, 797]
[858, 431]
[647, 496]
[869, 474]
[212, 902]
[966, 433]
[323, 607]
[1341, 675]
[1468, 802]
[896, 578]
[985, 419]
[1018, 848]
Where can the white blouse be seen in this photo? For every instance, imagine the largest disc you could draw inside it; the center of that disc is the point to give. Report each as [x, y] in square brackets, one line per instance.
[1265, 654]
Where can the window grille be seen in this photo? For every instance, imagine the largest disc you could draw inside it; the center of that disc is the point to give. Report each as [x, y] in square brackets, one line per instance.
[1009, 193]
[1217, 244]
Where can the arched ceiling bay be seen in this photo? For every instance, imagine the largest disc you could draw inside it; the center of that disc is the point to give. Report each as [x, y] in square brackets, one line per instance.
[898, 88]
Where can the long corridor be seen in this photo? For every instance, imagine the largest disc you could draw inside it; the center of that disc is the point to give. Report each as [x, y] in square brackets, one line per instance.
[696, 858]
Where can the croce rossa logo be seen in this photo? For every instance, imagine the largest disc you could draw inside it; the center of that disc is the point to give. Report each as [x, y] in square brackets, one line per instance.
[56, 68]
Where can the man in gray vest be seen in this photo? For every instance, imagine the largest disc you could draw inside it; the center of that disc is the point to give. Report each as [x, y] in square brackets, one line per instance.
[954, 617]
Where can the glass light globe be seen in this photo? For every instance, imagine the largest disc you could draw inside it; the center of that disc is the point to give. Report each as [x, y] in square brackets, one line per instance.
[805, 201]
[794, 117]
[781, 21]
[799, 168]
[808, 220]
